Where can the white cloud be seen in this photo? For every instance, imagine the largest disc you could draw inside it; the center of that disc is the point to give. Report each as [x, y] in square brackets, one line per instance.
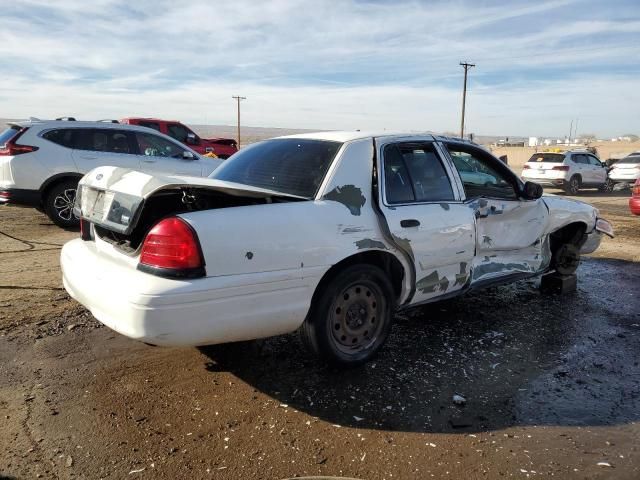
[326, 64]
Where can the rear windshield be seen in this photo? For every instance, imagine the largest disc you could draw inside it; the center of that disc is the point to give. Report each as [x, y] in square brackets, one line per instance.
[288, 165]
[547, 157]
[8, 134]
[630, 159]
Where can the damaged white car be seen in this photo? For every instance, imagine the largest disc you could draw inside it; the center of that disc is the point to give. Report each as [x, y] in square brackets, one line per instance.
[326, 233]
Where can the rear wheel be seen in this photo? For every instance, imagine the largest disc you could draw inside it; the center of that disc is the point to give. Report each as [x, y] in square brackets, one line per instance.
[59, 204]
[573, 187]
[351, 319]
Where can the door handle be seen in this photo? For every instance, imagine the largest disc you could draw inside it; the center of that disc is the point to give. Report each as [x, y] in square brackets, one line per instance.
[149, 161]
[87, 157]
[409, 223]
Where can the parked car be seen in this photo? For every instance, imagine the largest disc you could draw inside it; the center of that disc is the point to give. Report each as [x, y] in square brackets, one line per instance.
[329, 233]
[634, 201]
[570, 170]
[221, 147]
[626, 170]
[41, 161]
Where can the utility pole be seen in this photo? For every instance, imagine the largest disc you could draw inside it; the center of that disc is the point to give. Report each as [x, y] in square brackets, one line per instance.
[466, 66]
[570, 130]
[239, 98]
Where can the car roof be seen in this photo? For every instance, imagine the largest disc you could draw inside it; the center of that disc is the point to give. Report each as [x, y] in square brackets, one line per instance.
[151, 119]
[35, 122]
[563, 152]
[352, 135]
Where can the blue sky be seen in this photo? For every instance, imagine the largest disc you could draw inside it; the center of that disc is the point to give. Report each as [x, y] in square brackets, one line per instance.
[328, 64]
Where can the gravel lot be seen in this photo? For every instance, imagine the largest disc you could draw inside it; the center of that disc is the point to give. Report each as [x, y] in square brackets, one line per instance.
[552, 384]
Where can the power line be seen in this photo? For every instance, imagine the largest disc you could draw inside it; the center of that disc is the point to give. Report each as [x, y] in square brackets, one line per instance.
[466, 66]
[238, 98]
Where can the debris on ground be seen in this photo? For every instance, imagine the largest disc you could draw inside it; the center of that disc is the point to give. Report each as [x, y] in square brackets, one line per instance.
[459, 399]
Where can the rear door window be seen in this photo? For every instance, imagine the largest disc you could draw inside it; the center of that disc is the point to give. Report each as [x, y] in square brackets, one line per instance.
[103, 140]
[580, 159]
[414, 173]
[154, 125]
[177, 131]
[9, 133]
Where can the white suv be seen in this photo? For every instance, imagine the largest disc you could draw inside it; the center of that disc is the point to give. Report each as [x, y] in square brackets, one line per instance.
[41, 161]
[568, 170]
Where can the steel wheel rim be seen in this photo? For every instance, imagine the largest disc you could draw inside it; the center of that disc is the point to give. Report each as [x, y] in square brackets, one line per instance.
[63, 204]
[357, 317]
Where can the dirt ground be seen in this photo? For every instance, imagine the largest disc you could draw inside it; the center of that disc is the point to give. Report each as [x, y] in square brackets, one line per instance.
[552, 384]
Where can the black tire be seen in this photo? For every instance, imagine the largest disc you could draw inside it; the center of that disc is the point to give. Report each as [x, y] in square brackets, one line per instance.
[573, 187]
[566, 259]
[350, 319]
[58, 205]
[607, 187]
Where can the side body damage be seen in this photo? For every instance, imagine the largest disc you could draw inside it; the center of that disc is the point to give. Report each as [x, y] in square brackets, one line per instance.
[268, 254]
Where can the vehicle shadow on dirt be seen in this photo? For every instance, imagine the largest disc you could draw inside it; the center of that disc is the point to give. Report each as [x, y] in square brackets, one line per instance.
[516, 356]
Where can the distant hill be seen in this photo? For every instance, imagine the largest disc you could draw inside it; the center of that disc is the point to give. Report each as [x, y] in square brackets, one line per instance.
[249, 134]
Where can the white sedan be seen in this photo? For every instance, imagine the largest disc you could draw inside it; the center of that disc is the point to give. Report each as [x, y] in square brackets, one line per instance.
[326, 233]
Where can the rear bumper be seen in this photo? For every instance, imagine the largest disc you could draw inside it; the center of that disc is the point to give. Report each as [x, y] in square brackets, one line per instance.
[18, 196]
[547, 182]
[171, 312]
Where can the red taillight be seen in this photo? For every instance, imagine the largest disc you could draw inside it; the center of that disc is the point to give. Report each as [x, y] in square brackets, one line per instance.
[172, 247]
[526, 166]
[11, 148]
[635, 191]
[85, 229]
[563, 168]
[5, 195]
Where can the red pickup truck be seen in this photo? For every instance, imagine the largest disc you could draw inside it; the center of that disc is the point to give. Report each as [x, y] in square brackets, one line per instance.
[222, 147]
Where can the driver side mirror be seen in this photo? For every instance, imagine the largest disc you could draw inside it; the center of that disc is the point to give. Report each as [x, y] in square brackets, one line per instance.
[531, 191]
[191, 139]
[187, 155]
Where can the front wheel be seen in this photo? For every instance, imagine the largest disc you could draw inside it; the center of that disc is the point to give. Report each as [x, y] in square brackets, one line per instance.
[351, 318]
[607, 186]
[59, 204]
[566, 259]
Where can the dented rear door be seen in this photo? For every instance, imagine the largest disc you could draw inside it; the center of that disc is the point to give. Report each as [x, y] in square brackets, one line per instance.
[426, 217]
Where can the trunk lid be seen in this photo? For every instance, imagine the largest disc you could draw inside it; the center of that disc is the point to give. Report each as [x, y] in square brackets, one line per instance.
[113, 197]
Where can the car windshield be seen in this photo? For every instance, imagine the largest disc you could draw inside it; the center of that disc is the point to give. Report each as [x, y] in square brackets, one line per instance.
[8, 134]
[289, 165]
[634, 158]
[547, 157]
